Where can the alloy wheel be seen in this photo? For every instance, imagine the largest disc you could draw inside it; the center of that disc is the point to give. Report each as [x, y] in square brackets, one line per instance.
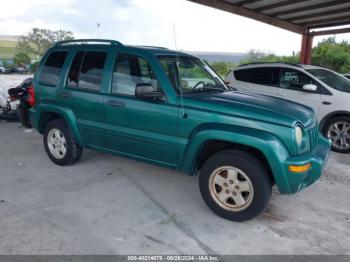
[231, 188]
[57, 143]
[339, 134]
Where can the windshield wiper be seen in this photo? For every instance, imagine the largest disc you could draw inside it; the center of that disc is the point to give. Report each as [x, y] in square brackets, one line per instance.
[231, 88]
[206, 89]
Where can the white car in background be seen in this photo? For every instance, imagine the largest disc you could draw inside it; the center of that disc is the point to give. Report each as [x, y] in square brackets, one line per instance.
[326, 91]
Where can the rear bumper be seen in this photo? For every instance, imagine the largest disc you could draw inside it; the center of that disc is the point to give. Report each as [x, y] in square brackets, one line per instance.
[318, 159]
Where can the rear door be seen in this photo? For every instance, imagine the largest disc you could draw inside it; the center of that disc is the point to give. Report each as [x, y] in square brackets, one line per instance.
[261, 80]
[84, 82]
[291, 82]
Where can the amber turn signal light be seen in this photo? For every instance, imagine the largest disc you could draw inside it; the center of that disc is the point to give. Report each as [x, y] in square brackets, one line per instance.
[299, 169]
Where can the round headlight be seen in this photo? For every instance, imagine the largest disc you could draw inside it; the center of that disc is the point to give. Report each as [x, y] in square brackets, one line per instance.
[298, 135]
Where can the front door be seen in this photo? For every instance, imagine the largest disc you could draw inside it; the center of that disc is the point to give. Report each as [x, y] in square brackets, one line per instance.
[291, 84]
[140, 128]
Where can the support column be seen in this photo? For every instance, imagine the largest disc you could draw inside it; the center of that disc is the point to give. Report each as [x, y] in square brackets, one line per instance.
[306, 48]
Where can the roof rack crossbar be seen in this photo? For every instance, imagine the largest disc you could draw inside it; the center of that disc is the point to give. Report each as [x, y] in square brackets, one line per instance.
[84, 41]
[152, 46]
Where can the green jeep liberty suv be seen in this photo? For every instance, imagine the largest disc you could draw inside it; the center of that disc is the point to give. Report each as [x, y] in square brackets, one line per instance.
[172, 109]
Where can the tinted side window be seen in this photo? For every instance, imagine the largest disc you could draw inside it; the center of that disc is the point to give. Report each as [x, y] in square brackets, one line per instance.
[263, 76]
[130, 70]
[90, 76]
[73, 76]
[50, 73]
[293, 79]
[170, 69]
[243, 75]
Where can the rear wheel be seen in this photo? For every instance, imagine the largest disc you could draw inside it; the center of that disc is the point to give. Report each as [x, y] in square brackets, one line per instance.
[338, 131]
[235, 185]
[60, 144]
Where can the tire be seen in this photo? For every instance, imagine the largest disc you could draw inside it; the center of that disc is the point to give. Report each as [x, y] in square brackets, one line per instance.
[66, 151]
[338, 130]
[23, 116]
[251, 173]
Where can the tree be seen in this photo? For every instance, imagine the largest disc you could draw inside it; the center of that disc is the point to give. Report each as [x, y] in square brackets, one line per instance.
[330, 54]
[258, 56]
[39, 40]
[5, 63]
[222, 67]
[21, 59]
[34, 66]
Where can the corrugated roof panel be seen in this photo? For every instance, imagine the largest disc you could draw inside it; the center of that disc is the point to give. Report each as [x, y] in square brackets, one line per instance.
[322, 18]
[295, 5]
[316, 11]
[263, 3]
[234, 1]
[293, 15]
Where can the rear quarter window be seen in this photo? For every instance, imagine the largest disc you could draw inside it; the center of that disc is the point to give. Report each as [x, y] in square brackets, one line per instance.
[259, 75]
[243, 75]
[51, 71]
[264, 75]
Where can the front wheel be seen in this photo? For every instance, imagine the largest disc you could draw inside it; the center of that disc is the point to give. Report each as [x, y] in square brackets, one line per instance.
[338, 131]
[235, 185]
[60, 144]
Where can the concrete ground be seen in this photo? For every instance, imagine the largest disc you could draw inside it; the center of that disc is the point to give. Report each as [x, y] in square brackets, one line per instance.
[110, 205]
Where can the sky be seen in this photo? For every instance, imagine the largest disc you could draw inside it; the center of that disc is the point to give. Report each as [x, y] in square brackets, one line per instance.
[150, 22]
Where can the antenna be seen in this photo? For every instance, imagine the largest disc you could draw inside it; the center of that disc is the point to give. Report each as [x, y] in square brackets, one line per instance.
[98, 29]
[174, 32]
[184, 115]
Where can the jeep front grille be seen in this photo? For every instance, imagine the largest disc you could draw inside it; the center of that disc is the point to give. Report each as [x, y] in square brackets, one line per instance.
[313, 135]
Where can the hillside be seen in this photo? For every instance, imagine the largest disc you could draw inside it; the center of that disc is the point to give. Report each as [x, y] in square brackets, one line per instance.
[220, 56]
[7, 48]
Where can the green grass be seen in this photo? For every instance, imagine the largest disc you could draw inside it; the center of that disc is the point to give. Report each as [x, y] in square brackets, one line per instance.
[7, 48]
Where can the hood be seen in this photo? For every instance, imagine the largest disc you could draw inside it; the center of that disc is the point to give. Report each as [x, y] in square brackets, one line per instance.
[260, 107]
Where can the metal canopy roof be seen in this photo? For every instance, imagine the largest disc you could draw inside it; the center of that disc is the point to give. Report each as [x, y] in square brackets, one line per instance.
[299, 16]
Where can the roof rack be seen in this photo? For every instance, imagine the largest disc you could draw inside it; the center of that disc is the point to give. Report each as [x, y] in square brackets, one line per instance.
[86, 41]
[151, 46]
[261, 63]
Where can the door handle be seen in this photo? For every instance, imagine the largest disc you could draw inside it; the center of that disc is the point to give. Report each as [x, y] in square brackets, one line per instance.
[66, 95]
[326, 103]
[281, 94]
[116, 103]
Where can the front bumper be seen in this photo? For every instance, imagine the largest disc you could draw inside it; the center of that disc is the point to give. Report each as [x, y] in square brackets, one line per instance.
[294, 182]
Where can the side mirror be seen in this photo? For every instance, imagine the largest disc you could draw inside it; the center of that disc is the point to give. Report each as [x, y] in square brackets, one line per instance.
[147, 91]
[310, 87]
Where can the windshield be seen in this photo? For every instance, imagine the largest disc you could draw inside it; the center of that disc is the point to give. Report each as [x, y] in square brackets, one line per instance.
[191, 75]
[332, 79]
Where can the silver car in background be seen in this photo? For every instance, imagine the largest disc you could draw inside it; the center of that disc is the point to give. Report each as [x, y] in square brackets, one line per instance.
[326, 91]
